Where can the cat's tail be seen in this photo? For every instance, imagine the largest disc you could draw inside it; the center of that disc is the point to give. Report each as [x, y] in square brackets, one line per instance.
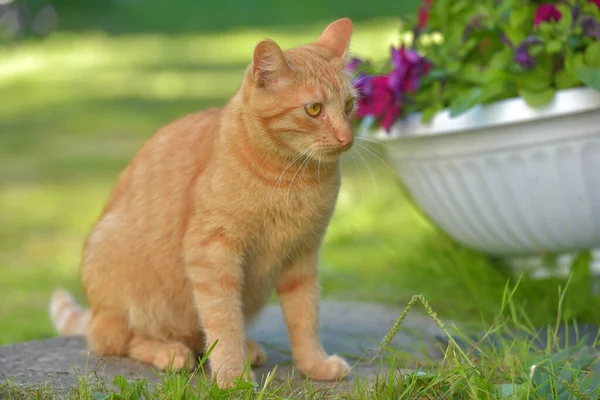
[66, 315]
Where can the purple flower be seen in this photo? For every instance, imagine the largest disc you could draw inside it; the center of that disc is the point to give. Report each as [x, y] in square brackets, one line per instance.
[409, 67]
[591, 27]
[363, 84]
[523, 57]
[504, 39]
[353, 64]
[575, 11]
[522, 54]
[546, 13]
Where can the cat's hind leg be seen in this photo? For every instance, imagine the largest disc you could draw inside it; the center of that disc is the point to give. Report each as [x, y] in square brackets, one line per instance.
[108, 334]
[161, 354]
[258, 357]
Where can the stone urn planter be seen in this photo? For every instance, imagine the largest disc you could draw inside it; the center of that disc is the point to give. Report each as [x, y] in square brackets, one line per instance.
[507, 179]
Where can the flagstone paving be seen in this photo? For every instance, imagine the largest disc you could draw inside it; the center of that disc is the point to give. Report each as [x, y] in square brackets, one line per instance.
[353, 330]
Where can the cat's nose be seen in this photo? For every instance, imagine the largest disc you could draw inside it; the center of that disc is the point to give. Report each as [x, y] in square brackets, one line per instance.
[345, 138]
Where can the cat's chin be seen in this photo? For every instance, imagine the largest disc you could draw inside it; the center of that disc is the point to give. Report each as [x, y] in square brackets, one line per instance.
[330, 156]
[333, 152]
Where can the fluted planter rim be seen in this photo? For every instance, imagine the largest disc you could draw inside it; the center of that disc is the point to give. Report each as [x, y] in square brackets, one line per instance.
[506, 112]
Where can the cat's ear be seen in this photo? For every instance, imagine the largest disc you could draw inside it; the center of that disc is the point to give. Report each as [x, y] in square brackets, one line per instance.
[336, 37]
[268, 62]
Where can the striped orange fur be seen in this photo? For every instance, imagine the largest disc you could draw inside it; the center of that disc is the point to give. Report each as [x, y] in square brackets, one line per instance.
[216, 211]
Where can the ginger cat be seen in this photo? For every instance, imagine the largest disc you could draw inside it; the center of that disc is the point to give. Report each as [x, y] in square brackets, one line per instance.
[215, 211]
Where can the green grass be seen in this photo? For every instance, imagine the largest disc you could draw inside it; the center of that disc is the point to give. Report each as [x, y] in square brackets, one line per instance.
[514, 369]
[77, 105]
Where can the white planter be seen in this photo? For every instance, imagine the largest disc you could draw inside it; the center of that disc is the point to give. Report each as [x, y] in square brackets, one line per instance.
[507, 179]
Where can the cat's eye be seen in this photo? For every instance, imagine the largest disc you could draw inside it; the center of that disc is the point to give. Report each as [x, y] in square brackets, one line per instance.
[349, 105]
[313, 109]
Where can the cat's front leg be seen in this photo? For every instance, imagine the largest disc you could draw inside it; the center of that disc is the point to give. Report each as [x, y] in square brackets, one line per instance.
[214, 267]
[298, 292]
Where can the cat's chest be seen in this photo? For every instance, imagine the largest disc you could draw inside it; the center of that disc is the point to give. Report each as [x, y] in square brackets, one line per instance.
[289, 225]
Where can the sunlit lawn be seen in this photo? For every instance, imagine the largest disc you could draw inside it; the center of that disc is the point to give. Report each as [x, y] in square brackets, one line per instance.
[75, 108]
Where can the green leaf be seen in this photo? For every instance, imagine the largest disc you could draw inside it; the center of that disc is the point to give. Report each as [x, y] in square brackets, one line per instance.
[565, 79]
[436, 74]
[574, 62]
[472, 73]
[428, 114]
[508, 390]
[244, 385]
[494, 76]
[465, 101]
[120, 382]
[554, 46]
[100, 396]
[564, 24]
[453, 67]
[592, 55]
[501, 59]
[535, 80]
[492, 91]
[520, 16]
[590, 77]
[459, 6]
[539, 98]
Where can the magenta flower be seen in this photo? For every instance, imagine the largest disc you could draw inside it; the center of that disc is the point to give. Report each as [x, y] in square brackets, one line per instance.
[381, 102]
[546, 13]
[423, 16]
[596, 2]
[382, 96]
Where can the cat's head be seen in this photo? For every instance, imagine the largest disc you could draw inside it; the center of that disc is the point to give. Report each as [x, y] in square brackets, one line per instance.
[303, 99]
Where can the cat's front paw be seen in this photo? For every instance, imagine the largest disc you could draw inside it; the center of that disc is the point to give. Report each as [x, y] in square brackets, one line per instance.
[174, 356]
[227, 378]
[331, 368]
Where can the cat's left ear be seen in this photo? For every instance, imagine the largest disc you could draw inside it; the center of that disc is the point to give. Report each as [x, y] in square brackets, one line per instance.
[268, 62]
[336, 37]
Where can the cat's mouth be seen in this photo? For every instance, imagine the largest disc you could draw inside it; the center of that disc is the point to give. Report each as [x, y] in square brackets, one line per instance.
[335, 150]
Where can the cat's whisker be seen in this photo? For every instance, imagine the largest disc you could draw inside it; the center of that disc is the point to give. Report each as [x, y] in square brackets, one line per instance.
[377, 156]
[358, 153]
[319, 167]
[310, 156]
[358, 72]
[360, 181]
[376, 142]
[291, 163]
[298, 170]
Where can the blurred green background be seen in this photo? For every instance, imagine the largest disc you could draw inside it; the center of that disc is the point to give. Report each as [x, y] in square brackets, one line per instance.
[84, 83]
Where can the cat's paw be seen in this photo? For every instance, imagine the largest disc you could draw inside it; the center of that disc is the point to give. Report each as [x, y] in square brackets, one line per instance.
[174, 356]
[258, 357]
[331, 368]
[227, 378]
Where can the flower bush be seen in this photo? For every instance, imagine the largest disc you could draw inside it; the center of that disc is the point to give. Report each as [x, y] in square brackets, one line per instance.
[461, 53]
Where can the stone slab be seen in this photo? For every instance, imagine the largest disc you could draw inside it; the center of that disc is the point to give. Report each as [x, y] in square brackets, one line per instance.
[353, 330]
